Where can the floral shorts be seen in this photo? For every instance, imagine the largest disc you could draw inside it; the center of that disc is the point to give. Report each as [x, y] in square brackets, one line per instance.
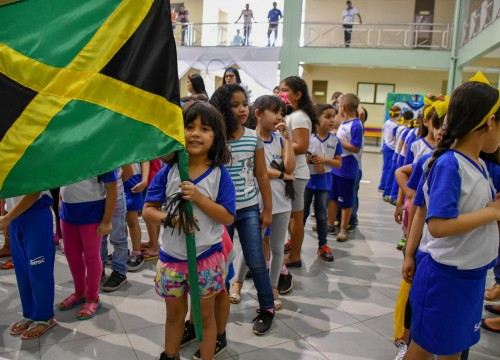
[172, 279]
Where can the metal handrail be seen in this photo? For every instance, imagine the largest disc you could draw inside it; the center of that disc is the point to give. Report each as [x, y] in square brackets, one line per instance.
[434, 36]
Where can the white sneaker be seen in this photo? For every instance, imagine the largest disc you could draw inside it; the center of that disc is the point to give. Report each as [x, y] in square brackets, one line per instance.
[402, 350]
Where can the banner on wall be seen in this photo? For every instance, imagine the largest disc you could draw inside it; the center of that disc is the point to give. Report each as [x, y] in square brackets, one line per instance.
[412, 102]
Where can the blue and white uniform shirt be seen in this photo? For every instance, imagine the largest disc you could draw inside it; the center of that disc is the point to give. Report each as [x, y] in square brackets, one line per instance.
[135, 179]
[44, 200]
[273, 150]
[352, 132]
[389, 134]
[83, 202]
[417, 149]
[216, 184]
[328, 147]
[458, 185]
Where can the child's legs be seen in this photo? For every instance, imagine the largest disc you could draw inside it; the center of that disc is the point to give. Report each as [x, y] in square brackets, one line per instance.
[496, 268]
[74, 254]
[333, 208]
[20, 258]
[321, 198]
[308, 197]
[174, 325]
[153, 234]
[265, 242]
[135, 229]
[55, 207]
[241, 268]
[91, 246]
[208, 321]
[346, 215]
[248, 226]
[297, 220]
[390, 179]
[222, 306]
[277, 240]
[118, 237]
[40, 251]
[416, 352]
[353, 220]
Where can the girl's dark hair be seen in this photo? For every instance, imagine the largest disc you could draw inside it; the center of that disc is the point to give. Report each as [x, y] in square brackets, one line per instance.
[437, 122]
[219, 153]
[305, 104]
[319, 108]
[423, 130]
[221, 100]
[288, 110]
[469, 104]
[233, 70]
[198, 84]
[492, 158]
[263, 103]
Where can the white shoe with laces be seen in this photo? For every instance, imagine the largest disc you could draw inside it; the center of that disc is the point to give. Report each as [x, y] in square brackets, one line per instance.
[402, 350]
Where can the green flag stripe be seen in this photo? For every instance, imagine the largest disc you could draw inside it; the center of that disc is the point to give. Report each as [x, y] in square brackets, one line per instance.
[47, 43]
[85, 131]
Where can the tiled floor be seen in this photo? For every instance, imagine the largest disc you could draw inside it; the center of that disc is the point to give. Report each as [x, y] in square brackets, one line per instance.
[340, 311]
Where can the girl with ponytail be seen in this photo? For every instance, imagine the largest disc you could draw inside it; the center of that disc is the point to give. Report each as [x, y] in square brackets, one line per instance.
[462, 234]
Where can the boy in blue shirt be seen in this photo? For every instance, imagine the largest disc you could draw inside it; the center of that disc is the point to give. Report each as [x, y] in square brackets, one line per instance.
[350, 134]
[274, 17]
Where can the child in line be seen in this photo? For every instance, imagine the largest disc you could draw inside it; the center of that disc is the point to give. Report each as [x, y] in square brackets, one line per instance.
[389, 134]
[212, 194]
[29, 219]
[324, 154]
[133, 194]
[462, 216]
[350, 134]
[118, 236]
[278, 147]
[150, 248]
[302, 123]
[86, 213]
[247, 165]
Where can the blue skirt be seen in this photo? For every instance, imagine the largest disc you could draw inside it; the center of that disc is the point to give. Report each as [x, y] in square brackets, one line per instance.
[447, 306]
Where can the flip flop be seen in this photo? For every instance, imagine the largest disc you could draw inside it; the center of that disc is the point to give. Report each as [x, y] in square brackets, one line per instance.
[48, 325]
[491, 309]
[19, 324]
[89, 309]
[235, 298]
[487, 327]
[71, 302]
[149, 256]
[8, 265]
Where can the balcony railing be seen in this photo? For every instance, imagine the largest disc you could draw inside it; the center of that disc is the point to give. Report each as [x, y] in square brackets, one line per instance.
[223, 34]
[435, 36]
[479, 19]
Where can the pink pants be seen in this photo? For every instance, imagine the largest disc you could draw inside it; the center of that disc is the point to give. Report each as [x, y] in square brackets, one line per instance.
[82, 248]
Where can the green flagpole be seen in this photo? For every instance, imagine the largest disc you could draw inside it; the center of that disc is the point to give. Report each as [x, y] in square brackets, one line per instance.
[191, 254]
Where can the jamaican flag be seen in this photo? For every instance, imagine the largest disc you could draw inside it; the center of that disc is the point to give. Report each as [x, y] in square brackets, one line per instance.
[85, 87]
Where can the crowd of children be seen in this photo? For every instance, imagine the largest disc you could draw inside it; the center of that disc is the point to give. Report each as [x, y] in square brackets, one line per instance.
[258, 169]
[447, 180]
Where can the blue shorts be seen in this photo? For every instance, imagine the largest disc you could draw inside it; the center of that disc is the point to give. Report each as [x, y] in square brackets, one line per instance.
[342, 191]
[447, 306]
[135, 202]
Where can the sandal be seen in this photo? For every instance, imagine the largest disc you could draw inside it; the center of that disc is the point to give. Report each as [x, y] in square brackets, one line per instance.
[70, 302]
[21, 323]
[234, 295]
[8, 265]
[89, 310]
[149, 255]
[48, 325]
[144, 246]
[493, 293]
[278, 305]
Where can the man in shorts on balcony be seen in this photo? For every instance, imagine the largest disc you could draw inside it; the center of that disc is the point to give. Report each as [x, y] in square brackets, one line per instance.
[274, 17]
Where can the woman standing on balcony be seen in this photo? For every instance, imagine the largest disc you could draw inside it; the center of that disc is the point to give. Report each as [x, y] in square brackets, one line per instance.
[183, 17]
